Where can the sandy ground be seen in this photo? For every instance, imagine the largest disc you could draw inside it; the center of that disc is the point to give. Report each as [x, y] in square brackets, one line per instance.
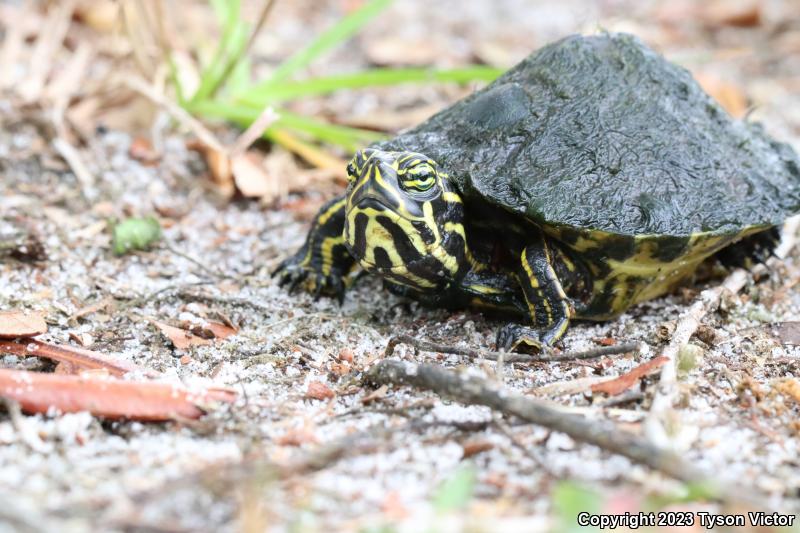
[73, 472]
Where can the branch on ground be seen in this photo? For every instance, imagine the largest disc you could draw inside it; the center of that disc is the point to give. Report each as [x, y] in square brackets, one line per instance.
[508, 357]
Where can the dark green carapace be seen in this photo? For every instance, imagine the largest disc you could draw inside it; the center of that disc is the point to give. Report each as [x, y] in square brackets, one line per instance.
[591, 176]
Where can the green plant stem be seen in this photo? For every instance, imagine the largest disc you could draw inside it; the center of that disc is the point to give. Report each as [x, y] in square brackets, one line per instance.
[268, 92]
[346, 137]
[339, 33]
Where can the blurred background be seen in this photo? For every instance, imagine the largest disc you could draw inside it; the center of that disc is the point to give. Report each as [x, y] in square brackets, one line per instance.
[158, 159]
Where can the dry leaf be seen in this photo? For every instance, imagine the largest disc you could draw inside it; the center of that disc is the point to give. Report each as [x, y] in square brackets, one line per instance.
[221, 331]
[788, 387]
[78, 358]
[102, 15]
[180, 338]
[15, 324]
[377, 394]
[297, 437]
[605, 341]
[346, 354]
[626, 381]
[107, 397]
[740, 13]
[252, 180]
[475, 447]
[142, 150]
[729, 96]
[319, 391]
[90, 309]
[84, 339]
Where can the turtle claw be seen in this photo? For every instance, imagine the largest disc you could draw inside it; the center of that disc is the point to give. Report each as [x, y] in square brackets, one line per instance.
[514, 338]
[294, 274]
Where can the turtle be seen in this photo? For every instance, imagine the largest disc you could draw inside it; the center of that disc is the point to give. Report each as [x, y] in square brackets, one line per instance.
[592, 176]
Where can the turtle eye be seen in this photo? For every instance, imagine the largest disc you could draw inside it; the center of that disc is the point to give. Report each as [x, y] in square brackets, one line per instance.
[420, 178]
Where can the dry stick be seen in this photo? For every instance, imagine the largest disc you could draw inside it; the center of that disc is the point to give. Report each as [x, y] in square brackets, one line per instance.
[73, 158]
[216, 273]
[176, 112]
[478, 391]
[256, 130]
[667, 391]
[592, 353]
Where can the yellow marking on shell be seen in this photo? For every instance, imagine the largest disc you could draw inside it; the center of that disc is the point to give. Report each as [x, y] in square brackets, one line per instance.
[643, 276]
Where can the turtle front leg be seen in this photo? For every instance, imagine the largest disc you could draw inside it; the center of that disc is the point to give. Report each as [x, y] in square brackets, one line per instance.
[548, 306]
[322, 264]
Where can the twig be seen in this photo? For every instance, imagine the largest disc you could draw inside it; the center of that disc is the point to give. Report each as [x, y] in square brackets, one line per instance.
[252, 133]
[230, 300]
[667, 391]
[50, 38]
[26, 433]
[477, 391]
[75, 162]
[547, 357]
[216, 273]
[175, 111]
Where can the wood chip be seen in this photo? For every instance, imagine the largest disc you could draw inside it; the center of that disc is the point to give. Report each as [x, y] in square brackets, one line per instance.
[180, 338]
[78, 358]
[14, 324]
[107, 397]
[319, 391]
[789, 387]
[626, 381]
[475, 447]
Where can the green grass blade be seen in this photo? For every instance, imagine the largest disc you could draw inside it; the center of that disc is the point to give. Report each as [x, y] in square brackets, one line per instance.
[230, 48]
[348, 138]
[339, 33]
[268, 92]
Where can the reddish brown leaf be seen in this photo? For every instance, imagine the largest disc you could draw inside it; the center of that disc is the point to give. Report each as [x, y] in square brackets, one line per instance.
[346, 354]
[377, 394]
[626, 381]
[475, 447]
[221, 331]
[297, 437]
[605, 341]
[741, 13]
[15, 324]
[107, 397]
[142, 150]
[77, 358]
[180, 338]
[319, 391]
[789, 387]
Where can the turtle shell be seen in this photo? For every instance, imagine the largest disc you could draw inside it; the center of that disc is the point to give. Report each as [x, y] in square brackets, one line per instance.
[604, 136]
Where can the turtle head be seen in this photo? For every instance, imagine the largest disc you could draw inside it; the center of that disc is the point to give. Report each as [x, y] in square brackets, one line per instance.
[405, 219]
